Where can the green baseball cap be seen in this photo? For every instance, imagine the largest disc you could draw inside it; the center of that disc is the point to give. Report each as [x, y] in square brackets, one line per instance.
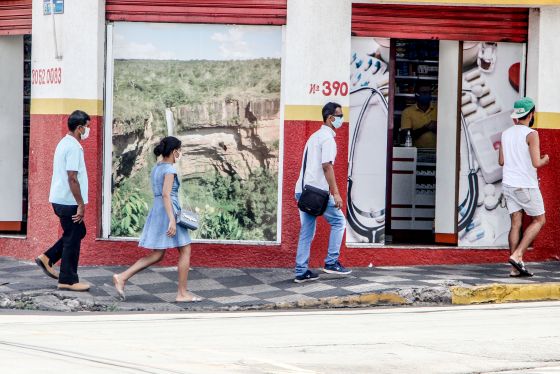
[522, 107]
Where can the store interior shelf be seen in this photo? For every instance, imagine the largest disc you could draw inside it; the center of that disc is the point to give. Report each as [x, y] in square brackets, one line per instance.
[416, 77]
[409, 95]
[417, 61]
[426, 164]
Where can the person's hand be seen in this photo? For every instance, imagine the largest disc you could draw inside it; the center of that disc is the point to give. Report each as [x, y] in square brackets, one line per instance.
[337, 201]
[432, 126]
[79, 216]
[545, 159]
[172, 229]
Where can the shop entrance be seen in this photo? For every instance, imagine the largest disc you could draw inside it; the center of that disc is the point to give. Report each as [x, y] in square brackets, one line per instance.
[403, 189]
[425, 123]
[399, 151]
[411, 166]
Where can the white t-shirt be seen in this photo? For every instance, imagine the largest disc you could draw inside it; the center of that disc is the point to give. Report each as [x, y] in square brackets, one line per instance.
[518, 169]
[68, 156]
[321, 148]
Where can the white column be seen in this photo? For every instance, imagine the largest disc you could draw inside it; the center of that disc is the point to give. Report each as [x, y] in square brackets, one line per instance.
[318, 49]
[446, 169]
[75, 45]
[543, 65]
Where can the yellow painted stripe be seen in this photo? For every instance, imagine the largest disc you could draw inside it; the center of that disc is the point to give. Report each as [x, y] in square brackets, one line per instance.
[66, 106]
[503, 293]
[308, 113]
[547, 120]
[527, 3]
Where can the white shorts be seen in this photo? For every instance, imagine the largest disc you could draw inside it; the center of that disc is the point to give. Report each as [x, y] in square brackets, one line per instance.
[528, 199]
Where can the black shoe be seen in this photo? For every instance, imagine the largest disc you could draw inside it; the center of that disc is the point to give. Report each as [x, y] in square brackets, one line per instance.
[305, 277]
[336, 268]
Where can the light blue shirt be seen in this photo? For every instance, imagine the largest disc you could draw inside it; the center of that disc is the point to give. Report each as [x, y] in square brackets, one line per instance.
[68, 156]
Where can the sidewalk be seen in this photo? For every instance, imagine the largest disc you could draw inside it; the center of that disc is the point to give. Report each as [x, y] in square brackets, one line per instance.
[24, 286]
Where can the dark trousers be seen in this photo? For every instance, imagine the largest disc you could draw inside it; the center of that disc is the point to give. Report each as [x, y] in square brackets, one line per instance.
[67, 248]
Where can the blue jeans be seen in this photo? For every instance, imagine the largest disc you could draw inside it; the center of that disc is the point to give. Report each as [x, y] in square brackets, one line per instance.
[336, 219]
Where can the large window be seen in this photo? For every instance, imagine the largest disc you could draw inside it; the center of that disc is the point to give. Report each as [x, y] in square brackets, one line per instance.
[215, 87]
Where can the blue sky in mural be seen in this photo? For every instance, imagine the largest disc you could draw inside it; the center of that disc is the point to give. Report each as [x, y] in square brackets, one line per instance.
[165, 41]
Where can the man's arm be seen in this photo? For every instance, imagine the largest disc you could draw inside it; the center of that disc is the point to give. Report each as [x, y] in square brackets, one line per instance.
[406, 124]
[328, 170]
[500, 156]
[421, 131]
[77, 193]
[535, 151]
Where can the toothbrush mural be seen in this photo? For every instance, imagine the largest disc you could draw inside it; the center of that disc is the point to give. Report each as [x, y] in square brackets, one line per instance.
[491, 84]
[369, 87]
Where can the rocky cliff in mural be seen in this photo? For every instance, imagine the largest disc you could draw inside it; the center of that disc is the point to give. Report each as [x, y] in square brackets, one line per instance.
[227, 115]
[231, 137]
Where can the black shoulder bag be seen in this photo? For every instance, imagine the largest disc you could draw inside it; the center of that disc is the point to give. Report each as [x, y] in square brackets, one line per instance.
[313, 200]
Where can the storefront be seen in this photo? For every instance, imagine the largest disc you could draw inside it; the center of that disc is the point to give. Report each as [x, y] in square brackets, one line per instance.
[242, 84]
[439, 158]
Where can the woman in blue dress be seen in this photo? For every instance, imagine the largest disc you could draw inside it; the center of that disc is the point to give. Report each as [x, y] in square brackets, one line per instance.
[161, 231]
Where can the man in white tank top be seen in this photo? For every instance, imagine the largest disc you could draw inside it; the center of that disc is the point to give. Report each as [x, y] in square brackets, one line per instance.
[520, 156]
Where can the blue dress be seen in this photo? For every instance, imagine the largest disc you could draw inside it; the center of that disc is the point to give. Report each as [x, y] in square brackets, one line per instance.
[154, 234]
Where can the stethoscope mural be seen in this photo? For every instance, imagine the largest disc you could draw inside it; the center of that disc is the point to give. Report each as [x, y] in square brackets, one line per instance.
[488, 197]
[467, 208]
[368, 224]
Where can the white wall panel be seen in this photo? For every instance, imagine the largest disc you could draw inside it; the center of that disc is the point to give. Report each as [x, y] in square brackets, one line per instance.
[11, 128]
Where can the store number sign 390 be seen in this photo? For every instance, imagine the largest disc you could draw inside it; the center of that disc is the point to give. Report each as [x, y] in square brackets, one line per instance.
[328, 88]
[46, 76]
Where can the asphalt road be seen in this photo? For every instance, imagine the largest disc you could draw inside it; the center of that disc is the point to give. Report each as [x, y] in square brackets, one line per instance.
[509, 338]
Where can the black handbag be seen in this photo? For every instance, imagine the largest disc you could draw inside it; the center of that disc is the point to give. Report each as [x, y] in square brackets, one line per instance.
[312, 200]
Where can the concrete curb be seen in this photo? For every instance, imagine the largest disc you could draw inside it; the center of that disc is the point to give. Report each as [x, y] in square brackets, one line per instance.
[504, 293]
[456, 295]
[461, 294]
[352, 301]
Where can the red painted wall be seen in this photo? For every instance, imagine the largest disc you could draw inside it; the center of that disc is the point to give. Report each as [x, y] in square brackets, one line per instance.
[44, 230]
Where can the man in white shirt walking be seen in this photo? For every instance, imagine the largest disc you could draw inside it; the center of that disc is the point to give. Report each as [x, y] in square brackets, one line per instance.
[69, 196]
[520, 156]
[320, 153]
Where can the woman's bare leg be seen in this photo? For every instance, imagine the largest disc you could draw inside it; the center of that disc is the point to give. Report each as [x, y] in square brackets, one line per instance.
[183, 270]
[141, 264]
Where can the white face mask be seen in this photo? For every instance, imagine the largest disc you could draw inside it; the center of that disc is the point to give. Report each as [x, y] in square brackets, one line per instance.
[337, 122]
[85, 135]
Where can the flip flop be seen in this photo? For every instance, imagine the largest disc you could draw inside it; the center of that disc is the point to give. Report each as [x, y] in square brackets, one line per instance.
[520, 267]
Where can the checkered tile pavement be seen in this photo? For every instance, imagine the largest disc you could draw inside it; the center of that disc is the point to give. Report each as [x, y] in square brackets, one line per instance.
[155, 288]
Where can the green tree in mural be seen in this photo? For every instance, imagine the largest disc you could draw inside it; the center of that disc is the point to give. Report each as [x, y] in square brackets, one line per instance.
[236, 209]
[128, 212]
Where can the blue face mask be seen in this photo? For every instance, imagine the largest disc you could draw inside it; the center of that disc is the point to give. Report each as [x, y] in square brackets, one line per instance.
[337, 122]
[424, 100]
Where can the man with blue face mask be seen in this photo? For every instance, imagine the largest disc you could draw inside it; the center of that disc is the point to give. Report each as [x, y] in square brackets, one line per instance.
[319, 156]
[69, 196]
[421, 119]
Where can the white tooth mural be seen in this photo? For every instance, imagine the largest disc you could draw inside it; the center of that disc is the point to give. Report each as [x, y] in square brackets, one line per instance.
[491, 84]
